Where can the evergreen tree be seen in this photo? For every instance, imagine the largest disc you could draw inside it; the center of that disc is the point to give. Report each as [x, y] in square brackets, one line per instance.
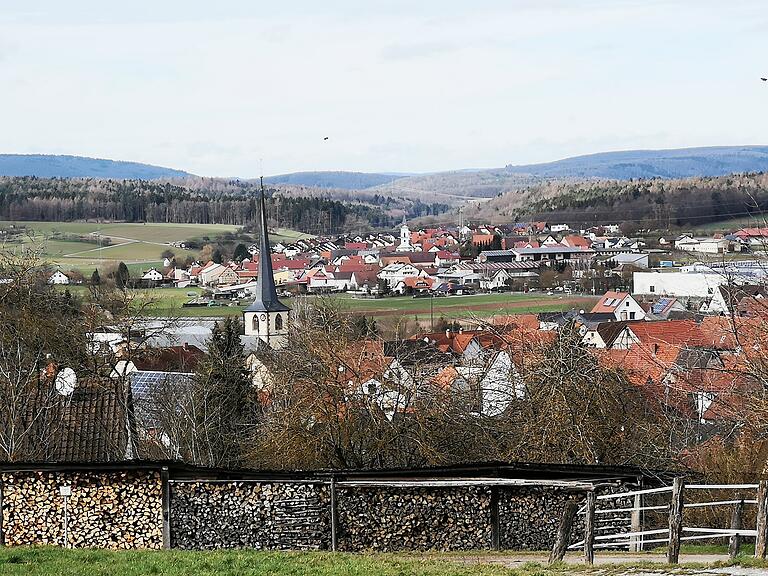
[241, 253]
[123, 276]
[95, 278]
[229, 406]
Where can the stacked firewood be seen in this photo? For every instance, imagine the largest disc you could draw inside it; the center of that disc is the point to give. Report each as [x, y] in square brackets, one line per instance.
[274, 516]
[105, 509]
[529, 517]
[386, 519]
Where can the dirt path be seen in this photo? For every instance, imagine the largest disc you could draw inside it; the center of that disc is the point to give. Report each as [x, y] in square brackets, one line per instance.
[587, 302]
[517, 560]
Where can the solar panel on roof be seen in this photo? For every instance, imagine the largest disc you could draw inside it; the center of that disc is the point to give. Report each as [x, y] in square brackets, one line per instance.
[143, 382]
[659, 306]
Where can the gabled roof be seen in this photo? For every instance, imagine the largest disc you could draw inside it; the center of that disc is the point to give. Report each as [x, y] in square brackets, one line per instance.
[676, 332]
[609, 301]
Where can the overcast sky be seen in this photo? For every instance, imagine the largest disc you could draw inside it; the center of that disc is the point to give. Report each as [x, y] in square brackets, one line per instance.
[213, 86]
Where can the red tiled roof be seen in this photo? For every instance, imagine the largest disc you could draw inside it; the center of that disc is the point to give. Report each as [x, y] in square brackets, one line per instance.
[609, 301]
[677, 332]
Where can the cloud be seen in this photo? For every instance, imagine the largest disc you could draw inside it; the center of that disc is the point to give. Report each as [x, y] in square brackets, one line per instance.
[416, 50]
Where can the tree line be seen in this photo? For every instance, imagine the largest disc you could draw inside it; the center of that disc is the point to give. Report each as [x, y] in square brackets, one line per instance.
[199, 201]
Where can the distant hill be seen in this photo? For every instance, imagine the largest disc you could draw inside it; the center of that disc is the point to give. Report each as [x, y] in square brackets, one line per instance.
[655, 203]
[58, 166]
[678, 163]
[343, 180]
[458, 186]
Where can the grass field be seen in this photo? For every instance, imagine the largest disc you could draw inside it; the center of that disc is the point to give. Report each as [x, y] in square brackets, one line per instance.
[168, 302]
[50, 561]
[139, 245]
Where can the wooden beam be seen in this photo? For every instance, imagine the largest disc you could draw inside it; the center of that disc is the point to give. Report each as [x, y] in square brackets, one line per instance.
[589, 529]
[2, 534]
[166, 505]
[675, 520]
[762, 520]
[735, 541]
[635, 525]
[334, 517]
[563, 532]
[495, 523]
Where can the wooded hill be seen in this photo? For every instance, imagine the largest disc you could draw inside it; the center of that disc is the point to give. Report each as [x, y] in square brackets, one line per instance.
[650, 203]
[65, 166]
[190, 200]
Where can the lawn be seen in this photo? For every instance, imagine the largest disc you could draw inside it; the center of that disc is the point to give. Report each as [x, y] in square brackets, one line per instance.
[50, 561]
[138, 244]
[168, 301]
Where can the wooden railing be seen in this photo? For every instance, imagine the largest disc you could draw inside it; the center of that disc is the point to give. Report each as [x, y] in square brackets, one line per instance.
[675, 532]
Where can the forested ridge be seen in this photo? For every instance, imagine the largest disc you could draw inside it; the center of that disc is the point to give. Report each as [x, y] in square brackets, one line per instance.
[192, 200]
[651, 203]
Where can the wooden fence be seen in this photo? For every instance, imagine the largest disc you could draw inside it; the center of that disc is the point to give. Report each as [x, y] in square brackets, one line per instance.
[676, 530]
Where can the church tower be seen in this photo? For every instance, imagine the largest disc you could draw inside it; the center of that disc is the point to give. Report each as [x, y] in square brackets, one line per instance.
[267, 317]
[405, 238]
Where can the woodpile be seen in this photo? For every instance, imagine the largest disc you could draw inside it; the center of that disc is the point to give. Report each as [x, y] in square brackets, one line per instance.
[529, 518]
[105, 510]
[385, 519]
[273, 516]
[124, 510]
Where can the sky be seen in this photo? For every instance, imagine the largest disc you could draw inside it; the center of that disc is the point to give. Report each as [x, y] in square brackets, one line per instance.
[239, 88]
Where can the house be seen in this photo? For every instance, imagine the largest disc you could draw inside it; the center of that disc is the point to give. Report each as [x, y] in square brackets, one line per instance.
[651, 335]
[704, 245]
[393, 273]
[210, 273]
[58, 278]
[414, 285]
[744, 300]
[604, 335]
[621, 304]
[678, 284]
[664, 307]
[559, 228]
[152, 275]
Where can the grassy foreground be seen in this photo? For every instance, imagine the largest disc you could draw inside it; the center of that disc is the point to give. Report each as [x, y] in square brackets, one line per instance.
[47, 561]
[54, 561]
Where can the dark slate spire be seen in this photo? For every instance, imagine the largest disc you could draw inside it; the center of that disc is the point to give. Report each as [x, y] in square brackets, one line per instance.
[266, 294]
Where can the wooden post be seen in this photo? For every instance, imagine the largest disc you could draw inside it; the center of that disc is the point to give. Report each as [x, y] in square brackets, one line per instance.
[762, 519]
[166, 504]
[563, 532]
[334, 516]
[589, 529]
[675, 520]
[495, 524]
[635, 544]
[735, 542]
[2, 535]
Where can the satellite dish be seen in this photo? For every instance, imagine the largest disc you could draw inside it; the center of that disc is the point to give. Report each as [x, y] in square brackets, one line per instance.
[66, 381]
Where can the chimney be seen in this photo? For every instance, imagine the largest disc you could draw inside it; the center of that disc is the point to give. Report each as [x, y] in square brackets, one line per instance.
[447, 332]
[186, 346]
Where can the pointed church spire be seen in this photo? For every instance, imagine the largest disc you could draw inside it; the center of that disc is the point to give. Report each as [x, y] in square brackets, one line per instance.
[266, 293]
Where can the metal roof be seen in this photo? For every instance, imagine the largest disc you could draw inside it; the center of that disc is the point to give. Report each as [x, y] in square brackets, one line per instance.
[266, 293]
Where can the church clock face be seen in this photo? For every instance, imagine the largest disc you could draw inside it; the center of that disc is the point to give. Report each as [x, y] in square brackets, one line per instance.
[263, 316]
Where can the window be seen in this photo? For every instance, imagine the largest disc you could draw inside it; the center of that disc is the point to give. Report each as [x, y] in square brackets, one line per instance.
[631, 315]
[710, 291]
[627, 303]
[279, 322]
[652, 288]
[255, 323]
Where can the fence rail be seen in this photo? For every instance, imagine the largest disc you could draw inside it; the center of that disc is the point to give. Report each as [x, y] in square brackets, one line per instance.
[676, 530]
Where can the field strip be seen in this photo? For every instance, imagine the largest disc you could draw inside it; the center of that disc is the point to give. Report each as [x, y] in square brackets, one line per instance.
[74, 254]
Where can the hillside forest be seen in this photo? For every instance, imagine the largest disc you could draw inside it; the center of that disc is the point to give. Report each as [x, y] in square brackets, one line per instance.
[196, 201]
[649, 203]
